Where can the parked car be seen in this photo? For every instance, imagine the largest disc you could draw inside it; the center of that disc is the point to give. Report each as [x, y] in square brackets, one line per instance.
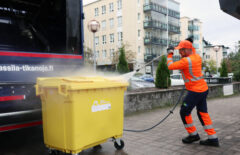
[215, 75]
[230, 75]
[176, 80]
[147, 77]
[137, 82]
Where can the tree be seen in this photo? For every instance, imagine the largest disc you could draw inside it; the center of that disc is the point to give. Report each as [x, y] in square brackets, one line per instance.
[212, 66]
[234, 59]
[129, 54]
[122, 66]
[205, 66]
[223, 71]
[163, 75]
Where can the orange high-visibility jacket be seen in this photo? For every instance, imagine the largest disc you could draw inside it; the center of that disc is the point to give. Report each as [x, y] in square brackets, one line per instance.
[191, 68]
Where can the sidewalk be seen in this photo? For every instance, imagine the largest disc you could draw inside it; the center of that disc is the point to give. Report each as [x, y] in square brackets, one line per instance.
[166, 138]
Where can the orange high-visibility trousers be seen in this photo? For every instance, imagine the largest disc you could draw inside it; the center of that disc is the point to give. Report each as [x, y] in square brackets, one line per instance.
[199, 100]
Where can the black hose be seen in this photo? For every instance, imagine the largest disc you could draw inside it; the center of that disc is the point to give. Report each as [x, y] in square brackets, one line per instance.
[170, 112]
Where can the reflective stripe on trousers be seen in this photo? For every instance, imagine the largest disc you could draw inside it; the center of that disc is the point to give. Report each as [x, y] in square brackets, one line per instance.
[208, 125]
[191, 129]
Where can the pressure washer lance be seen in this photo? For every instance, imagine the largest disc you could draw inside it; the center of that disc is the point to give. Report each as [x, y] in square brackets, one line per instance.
[127, 76]
[169, 50]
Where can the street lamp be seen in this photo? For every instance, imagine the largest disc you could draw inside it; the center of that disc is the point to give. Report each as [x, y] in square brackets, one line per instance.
[216, 48]
[167, 25]
[94, 26]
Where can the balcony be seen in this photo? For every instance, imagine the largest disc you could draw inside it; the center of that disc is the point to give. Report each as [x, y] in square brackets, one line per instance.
[154, 7]
[160, 41]
[155, 41]
[174, 29]
[155, 25]
[149, 57]
[193, 28]
[160, 9]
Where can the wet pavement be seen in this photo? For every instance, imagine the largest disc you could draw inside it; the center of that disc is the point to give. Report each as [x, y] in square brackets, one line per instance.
[165, 139]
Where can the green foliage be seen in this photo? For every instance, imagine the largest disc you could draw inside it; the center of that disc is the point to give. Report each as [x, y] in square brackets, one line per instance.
[234, 59]
[236, 76]
[122, 66]
[223, 71]
[163, 75]
[212, 66]
[204, 65]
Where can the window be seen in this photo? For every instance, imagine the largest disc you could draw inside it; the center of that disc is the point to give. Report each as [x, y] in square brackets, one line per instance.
[104, 53]
[139, 16]
[103, 24]
[147, 50]
[111, 52]
[97, 54]
[111, 7]
[120, 36]
[104, 39]
[139, 33]
[104, 9]
[119, 2]
[139, 49]
[195, 45]
[112, 38]
[96, 40]
[111, 21]
[119, 21]
[96, 11]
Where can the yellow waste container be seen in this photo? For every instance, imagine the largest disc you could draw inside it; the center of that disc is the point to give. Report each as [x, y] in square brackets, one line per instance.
[81, 112]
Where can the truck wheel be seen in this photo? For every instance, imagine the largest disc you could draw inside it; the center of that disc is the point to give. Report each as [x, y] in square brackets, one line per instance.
[119, 147]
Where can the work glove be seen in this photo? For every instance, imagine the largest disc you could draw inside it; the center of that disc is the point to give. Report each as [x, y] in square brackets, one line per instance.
[170, 50]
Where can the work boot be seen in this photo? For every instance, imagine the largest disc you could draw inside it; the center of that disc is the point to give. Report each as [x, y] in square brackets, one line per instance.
[189, 139]
[210, 142]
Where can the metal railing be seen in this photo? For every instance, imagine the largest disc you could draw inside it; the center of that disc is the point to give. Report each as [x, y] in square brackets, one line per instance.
[218, 80]
[159, 41]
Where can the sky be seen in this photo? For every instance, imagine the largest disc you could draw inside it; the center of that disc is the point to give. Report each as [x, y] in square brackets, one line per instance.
[219, 28]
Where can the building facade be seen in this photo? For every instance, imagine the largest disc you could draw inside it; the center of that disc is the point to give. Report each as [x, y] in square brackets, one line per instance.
[147, 27]
[215, 54]
[192, 27]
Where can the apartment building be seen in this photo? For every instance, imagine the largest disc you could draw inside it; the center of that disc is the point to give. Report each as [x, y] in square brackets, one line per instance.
[192, 27]
[148, 27]
[215, 52]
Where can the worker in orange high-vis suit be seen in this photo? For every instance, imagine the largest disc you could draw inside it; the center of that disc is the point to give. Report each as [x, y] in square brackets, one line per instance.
[191, 68]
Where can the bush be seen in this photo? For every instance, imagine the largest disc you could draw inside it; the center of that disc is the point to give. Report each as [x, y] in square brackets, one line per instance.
[236, 76]
[223, 71]
[163, 75]
[122, 66]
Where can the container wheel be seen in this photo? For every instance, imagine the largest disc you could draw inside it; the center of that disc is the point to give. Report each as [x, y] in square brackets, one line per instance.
[53, 152]
[97, 147]
[119, 147]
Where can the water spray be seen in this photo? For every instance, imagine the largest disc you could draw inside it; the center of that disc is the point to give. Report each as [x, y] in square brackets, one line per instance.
[169, 50]
[127, 76]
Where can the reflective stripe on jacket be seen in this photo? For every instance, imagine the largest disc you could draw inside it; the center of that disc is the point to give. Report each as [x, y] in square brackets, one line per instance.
[191, 68]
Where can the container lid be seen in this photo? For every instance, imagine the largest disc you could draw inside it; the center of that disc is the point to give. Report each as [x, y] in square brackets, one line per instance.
[79, 83]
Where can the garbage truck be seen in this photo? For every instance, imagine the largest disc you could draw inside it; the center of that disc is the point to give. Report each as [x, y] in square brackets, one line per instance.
[38, 38]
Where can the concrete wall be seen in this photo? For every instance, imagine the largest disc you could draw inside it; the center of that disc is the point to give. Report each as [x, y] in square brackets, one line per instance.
[140, 101]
